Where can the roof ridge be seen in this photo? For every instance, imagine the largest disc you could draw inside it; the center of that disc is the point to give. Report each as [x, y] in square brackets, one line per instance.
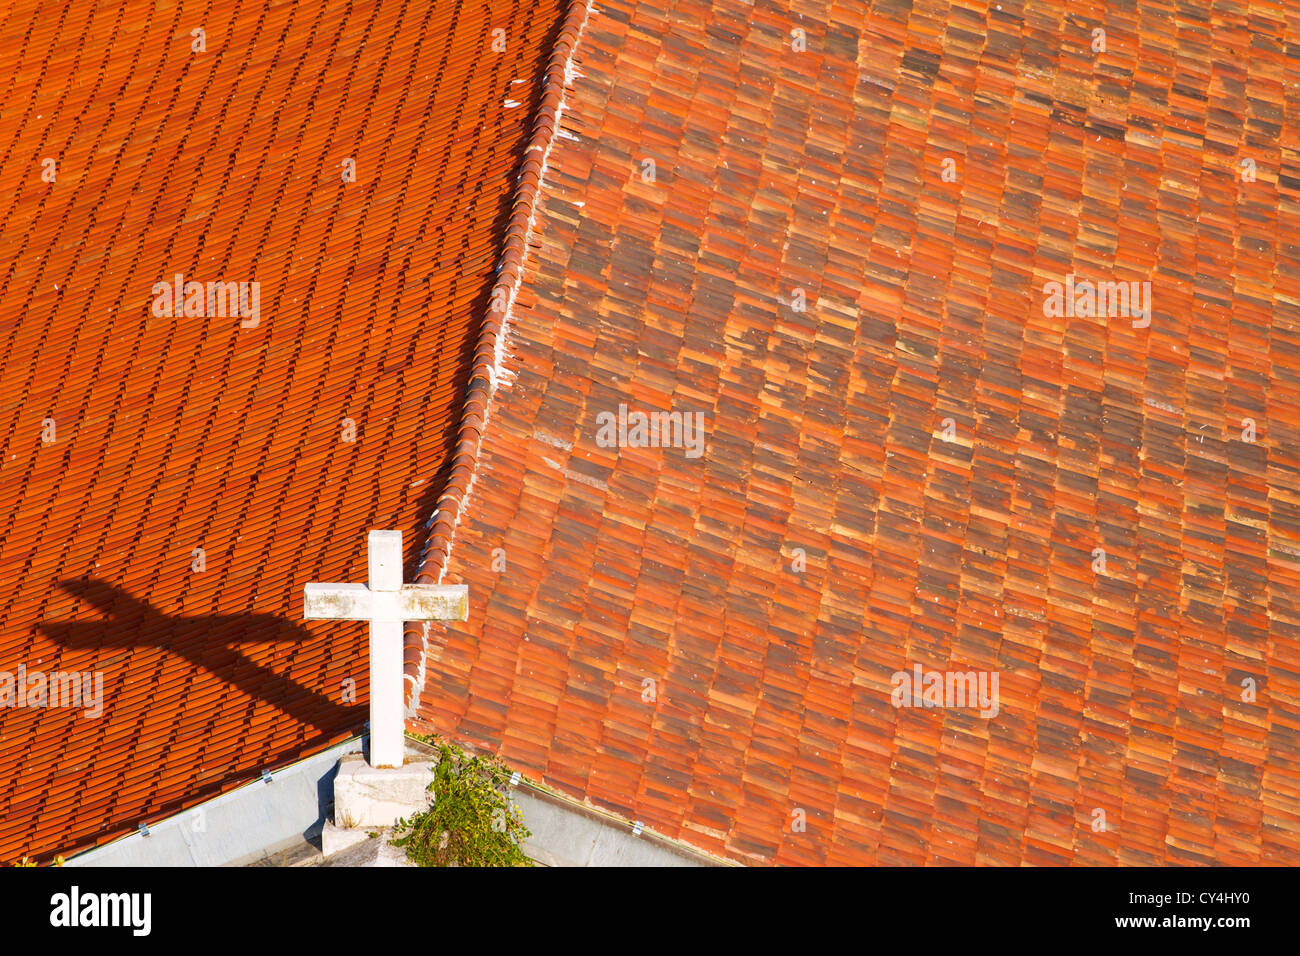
[489, 352]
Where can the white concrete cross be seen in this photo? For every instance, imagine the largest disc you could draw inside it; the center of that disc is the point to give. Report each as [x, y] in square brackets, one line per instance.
[387, 603]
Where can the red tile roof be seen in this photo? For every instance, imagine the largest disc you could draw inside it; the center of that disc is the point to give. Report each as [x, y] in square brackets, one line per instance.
[822, 171]
[176, 434]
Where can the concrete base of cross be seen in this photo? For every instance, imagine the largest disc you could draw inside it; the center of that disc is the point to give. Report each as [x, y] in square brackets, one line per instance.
[366, 796]
[369, 800]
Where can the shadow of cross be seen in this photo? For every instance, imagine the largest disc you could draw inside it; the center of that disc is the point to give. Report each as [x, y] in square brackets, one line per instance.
[208, 642]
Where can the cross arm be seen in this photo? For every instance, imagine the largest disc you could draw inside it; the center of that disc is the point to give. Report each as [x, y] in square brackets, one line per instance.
[412, 602]
[433, 602]
[346, 602]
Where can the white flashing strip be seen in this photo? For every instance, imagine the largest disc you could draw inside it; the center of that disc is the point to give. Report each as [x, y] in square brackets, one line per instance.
[241, 826]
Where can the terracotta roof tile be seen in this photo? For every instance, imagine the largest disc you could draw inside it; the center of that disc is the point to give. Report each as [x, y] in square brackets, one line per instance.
[175, 434]
[822, 171]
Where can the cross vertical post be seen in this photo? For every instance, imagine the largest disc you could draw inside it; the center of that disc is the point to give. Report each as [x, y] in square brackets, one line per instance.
[387, 745]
